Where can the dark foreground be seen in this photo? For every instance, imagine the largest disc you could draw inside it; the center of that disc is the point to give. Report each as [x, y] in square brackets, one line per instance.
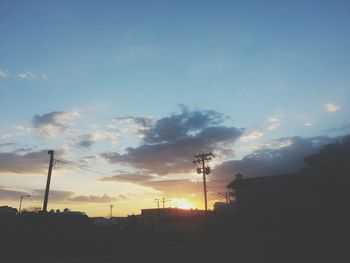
[224, 238]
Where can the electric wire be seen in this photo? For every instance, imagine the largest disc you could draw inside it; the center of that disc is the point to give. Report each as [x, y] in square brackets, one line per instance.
[79, 166]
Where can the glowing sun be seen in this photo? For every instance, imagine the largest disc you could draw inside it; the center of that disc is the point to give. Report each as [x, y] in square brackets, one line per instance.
[182, 203]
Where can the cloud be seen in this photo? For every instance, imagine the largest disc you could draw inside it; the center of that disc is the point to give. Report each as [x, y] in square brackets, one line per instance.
[5, 135]
[178, 126]
[7, 144]
[92, 199]
[10, 194]
[252, 136]
[272, 124]
[342, 128]
[170, 187]
[170, 143]
[27, 75]
[29, 163]
[88, 140]
[142, 124]
[333, 158]
[332, 107]
[184, 188]
[22, 128]
[44, 76]
[3, 74]
[141, 121]
[57, 196]
[54, 195]
[281, 156]
[137, 177]
[53, 123]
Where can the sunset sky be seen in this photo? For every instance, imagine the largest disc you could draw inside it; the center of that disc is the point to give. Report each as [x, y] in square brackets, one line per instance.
[127, 91]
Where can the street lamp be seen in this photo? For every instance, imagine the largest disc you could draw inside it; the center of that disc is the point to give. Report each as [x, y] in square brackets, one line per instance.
[20, 203]
[157, 201]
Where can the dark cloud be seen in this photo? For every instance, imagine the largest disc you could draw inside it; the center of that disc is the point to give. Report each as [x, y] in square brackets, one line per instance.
[32, 162]
[184, 187]
[286, 156]
[129, 177]
[52, 123]
[86, 141]
[92, 198]
[7, 144]
[10, 194]
[57, 196]
[178, 126]
[332, 158]
[170, 143]
[54, 195]
[175, 156]
[68, 196]
[342, 128]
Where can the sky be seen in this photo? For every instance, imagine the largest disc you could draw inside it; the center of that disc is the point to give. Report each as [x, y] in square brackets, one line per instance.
[126, 92]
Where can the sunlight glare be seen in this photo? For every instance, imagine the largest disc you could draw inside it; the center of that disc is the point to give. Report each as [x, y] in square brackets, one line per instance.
[182, 203]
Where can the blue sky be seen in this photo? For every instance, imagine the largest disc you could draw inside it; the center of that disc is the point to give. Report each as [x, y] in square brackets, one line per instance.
[271, 69]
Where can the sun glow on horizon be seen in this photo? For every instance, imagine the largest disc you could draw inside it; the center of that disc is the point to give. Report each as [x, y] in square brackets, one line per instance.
[182, 203]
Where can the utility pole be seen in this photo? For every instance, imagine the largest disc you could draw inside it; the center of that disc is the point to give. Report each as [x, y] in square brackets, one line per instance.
[111, 209]
[51, 153]
[164, 201]
[200, 160]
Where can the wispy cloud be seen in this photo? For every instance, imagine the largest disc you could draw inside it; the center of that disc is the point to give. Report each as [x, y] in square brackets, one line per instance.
[3, 73]
[31, 75]
[272, 124]
[252, 136]
[332, 107]
[27, 75]
[22, 128]
[44, 76]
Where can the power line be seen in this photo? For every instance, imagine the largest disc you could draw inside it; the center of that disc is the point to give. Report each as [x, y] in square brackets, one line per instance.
[79, 166]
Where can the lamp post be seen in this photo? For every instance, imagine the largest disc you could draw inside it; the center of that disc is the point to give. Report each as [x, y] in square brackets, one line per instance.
[20, 202]
[157, 201]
